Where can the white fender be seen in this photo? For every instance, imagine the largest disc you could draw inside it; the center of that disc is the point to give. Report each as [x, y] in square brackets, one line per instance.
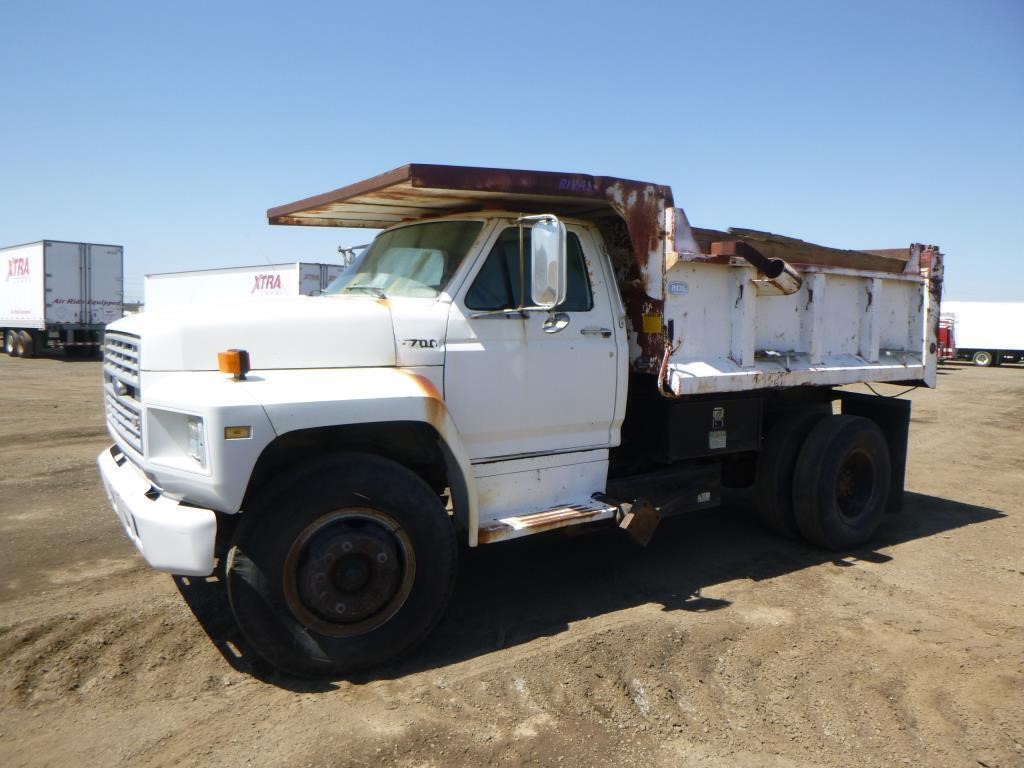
[308, 399]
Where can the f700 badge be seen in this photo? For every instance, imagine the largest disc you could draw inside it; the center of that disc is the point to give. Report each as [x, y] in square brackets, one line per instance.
[422, 343]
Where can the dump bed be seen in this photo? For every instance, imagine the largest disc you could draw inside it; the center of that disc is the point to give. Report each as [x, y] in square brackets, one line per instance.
[708, 311]
[729, 329]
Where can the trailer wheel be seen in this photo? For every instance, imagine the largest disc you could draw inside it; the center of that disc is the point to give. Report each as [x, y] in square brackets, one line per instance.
[841, 483]
[983, 358]
[26, 344]
[348, 563]
[11, 343]
[773, 486]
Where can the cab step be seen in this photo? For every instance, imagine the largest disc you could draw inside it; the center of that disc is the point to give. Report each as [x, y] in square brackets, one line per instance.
[545, 520]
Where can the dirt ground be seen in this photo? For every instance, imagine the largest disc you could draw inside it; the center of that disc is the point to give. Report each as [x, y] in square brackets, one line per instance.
[718, 645]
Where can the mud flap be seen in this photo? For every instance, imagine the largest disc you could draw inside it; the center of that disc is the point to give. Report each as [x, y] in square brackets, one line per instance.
[892, 415]
[640, 520]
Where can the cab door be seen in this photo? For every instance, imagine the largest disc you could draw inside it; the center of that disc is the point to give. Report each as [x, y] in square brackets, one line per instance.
[517, 384]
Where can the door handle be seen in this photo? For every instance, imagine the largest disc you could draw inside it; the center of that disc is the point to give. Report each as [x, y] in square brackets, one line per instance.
[604, 333]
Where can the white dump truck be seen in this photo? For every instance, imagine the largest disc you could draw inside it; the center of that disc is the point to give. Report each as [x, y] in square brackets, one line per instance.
[516, 352]
[201, 287]
[59, 295]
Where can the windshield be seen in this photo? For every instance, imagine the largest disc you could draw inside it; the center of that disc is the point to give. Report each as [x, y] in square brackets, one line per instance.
[415, 261]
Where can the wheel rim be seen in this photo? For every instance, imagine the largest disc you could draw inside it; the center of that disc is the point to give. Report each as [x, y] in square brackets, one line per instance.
[349, 572]
[855, 485]
[982, 358]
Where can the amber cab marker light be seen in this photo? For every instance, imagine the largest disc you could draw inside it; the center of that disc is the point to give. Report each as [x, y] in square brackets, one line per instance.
[235, 362]
[237, 433]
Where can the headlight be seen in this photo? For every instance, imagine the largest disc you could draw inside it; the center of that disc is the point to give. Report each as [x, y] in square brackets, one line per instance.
[197, 440]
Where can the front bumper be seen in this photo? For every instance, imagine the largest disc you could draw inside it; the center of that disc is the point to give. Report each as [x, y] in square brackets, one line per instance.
[170, 536]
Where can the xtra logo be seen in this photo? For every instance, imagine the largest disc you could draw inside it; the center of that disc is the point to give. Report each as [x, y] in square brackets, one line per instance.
[266, 282]
[17, 266]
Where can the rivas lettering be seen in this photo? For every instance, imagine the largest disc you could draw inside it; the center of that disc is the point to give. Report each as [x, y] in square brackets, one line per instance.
[576, 185]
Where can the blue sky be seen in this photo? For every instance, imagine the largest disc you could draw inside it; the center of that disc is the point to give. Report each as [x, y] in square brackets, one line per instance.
[171, 128]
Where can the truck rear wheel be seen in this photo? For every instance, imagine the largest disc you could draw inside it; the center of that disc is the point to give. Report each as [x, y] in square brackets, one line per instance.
[348, 563]
[773, 486]
[983, 358]
[26, 344]
[11, 343]
[841, 483]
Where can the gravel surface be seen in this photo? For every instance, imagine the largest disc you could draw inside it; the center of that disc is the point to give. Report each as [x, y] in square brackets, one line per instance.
[718, 645]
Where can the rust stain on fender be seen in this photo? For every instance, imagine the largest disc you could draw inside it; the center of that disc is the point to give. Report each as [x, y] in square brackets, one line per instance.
[426, 386]
[434, 409]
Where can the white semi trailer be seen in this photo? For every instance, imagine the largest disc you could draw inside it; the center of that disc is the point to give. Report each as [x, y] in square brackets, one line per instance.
[177, 290]
[986, 332]
[59, 295]
[516, 352]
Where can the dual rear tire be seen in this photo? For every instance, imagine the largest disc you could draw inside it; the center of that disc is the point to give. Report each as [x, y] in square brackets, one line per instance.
[825, 478]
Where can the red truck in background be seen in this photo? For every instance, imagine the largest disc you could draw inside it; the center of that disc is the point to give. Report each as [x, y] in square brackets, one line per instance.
[947, 339]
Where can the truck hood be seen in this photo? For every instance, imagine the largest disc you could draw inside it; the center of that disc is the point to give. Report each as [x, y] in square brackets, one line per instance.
[292, 332]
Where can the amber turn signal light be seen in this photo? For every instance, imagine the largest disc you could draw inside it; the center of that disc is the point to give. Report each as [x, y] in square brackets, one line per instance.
[235, 362]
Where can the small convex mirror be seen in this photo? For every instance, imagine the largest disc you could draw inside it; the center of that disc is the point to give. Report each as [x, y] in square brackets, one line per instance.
[547, 262]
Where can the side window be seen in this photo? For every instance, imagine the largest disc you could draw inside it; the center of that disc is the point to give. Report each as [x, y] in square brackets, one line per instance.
[497, 283]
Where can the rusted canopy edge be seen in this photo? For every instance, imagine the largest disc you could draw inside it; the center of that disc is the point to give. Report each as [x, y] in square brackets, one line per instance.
[417, 190]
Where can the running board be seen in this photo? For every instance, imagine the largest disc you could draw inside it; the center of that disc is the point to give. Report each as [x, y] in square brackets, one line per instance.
[545, 520]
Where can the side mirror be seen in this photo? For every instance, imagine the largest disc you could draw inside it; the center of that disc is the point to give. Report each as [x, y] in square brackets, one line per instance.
[547, 261]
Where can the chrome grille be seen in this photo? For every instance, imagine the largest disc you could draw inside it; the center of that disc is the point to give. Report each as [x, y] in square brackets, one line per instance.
[122, 396]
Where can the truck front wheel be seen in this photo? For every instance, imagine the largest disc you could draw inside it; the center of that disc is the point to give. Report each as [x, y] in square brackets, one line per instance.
[841, 483]
[348, 563]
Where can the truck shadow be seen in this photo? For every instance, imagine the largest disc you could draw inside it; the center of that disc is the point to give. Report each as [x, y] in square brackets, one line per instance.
[511, 593]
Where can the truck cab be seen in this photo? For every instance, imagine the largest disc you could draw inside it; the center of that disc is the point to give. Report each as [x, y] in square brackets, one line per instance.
[514, 353]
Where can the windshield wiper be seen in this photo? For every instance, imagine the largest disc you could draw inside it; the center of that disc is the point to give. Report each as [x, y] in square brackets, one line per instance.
[368, 288]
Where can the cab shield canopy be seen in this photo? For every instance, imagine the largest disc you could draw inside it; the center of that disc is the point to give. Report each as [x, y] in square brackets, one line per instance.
[419, 191]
